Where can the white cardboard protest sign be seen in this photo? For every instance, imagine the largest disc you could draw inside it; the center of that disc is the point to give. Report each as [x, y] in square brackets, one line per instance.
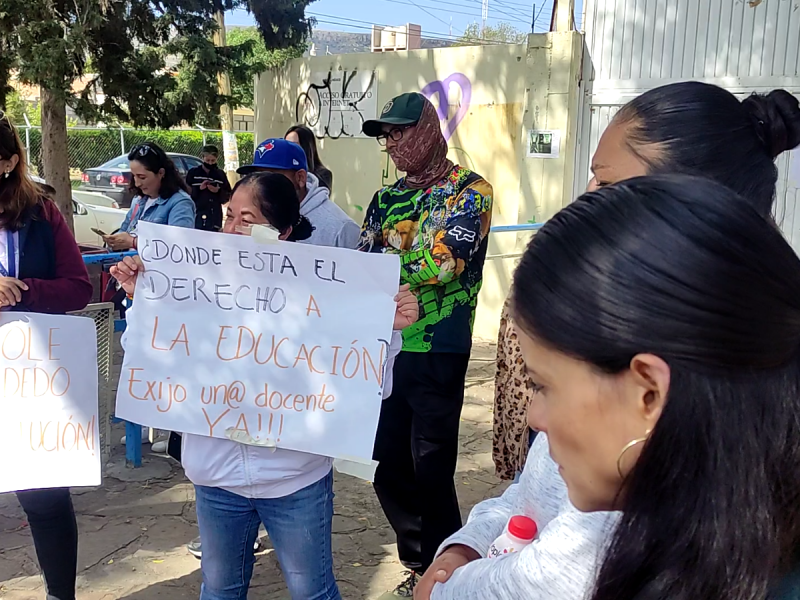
[278, 344]
[49, 431]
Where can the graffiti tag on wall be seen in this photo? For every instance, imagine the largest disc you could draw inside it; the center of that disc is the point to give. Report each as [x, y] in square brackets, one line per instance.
[336, 103]
[441, 88]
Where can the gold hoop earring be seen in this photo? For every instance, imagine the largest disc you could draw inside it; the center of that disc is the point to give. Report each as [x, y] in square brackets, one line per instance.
[627, 447]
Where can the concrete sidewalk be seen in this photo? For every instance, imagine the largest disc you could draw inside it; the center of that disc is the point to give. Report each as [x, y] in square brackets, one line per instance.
[133, 535]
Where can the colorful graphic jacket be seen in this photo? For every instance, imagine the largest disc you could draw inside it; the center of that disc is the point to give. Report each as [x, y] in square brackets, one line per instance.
[440, 234]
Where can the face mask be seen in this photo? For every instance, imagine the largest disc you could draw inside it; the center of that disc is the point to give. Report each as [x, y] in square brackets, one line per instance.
[210, 165]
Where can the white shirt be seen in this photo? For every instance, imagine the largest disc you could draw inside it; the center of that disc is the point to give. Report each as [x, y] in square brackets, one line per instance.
[561, 564]
[148, 204]
[258, 472]
[4, 252]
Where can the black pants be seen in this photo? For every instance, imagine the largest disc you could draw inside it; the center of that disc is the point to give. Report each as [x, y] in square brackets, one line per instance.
[416, 448]
[55, 536]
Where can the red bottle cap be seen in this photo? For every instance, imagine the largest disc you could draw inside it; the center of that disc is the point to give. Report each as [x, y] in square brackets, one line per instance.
[522, 527]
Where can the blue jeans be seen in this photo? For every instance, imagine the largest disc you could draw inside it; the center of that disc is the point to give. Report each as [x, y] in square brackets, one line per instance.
[298, 525]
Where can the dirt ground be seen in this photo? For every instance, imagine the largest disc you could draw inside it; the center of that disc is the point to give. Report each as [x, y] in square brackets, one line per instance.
[134, 535]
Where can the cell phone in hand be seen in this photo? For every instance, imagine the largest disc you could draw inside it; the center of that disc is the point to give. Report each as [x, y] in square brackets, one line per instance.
[99, 232]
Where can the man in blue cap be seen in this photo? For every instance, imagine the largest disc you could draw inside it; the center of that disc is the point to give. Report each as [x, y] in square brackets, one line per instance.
[332, 226]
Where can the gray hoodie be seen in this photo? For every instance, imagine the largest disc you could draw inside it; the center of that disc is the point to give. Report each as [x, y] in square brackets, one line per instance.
[332, 226]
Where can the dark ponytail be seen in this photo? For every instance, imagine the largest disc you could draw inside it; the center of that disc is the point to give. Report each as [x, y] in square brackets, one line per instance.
[279, 204]
[776, 117]
[702, 129]
[301, 230]
[685, 269]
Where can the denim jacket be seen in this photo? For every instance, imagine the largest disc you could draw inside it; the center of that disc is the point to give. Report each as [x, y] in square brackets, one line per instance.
[177, 210]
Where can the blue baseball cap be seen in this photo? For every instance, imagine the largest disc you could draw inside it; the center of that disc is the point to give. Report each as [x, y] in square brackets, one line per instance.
[277, 154]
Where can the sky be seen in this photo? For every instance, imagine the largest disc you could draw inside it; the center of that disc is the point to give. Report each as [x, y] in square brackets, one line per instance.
[434, 16]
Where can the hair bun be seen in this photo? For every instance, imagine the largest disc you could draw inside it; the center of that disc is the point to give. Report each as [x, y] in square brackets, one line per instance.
[776, 117]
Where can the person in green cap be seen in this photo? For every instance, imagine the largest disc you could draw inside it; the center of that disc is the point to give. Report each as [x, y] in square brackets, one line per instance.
[436, 218]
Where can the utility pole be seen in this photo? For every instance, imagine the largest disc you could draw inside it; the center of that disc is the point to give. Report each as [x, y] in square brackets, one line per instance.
[563, 15]
[533, 19]
[485, 16]
[230, 149]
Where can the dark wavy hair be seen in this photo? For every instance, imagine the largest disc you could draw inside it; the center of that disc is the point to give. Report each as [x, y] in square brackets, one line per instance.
[705, 130]
[685, 269]
[18, 192]
[153, 158]
[308, 142]
[279, 203]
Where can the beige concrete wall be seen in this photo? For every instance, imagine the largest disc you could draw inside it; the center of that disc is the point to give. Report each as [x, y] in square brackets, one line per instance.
[514, 88]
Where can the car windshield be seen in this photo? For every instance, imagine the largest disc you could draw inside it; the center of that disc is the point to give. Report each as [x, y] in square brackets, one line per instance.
[120, 162]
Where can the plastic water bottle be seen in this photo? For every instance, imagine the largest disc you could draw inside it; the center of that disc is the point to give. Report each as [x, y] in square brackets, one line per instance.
[520, 532]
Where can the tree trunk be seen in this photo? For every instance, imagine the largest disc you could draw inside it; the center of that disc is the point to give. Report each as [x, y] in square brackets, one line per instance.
[54, 152]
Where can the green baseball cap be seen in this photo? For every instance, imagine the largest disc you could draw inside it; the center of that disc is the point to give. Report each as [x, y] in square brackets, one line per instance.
[406, 109]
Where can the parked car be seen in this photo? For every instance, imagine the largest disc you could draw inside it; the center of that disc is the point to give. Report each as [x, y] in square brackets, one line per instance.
[88, 217]
[113, 178]
[95, 199]
[92, 198]
[93, 211]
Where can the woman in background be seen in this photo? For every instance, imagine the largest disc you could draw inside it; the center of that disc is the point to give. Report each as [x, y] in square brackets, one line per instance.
[41, 270]
[162, 196]
[687, 127]
[304, 137]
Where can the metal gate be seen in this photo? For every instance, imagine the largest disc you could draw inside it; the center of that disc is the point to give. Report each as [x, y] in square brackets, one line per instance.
[744, 46]
[103, 316]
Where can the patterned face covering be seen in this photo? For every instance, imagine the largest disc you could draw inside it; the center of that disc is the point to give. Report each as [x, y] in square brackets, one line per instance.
[422, 151]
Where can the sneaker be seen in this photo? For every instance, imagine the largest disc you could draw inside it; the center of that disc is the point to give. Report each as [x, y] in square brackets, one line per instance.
[145, 436]
[405, 589]
[195, 548]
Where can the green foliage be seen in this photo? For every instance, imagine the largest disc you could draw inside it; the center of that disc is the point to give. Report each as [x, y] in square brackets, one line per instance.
[88, 148]
[503, 32]
[15, 107]
[254, 58]
[155, 63]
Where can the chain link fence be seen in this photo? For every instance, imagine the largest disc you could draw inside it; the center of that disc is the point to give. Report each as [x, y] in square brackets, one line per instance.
[90, 147]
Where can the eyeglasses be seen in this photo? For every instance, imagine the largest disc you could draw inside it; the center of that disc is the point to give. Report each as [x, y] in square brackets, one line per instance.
[396, 134]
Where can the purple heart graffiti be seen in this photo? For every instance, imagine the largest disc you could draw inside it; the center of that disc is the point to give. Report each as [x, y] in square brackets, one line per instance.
[442, 87]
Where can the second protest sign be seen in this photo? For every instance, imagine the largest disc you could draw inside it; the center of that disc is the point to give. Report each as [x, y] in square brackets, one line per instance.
[275, 344]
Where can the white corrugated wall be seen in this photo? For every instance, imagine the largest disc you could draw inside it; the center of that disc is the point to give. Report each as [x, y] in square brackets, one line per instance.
[745, 46]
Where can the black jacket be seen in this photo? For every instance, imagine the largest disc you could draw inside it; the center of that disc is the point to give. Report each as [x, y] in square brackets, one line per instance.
[209, 204]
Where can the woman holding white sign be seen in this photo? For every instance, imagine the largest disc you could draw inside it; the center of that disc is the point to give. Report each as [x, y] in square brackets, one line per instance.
[239, 486]
[41, 271]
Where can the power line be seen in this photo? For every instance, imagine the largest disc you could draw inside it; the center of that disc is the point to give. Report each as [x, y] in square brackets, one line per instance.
[367, 25]
[516, 16]
[508, 6]
[430, 14]
[511, 3]
[450, 11]
[539, 16]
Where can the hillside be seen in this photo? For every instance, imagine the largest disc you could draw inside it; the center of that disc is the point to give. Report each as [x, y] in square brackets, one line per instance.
[341, 42]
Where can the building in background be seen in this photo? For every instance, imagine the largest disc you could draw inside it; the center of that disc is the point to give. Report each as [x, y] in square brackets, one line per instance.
[392, 39]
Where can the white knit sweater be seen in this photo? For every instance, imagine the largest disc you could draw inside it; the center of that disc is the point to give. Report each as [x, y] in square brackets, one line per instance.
[562, 562]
